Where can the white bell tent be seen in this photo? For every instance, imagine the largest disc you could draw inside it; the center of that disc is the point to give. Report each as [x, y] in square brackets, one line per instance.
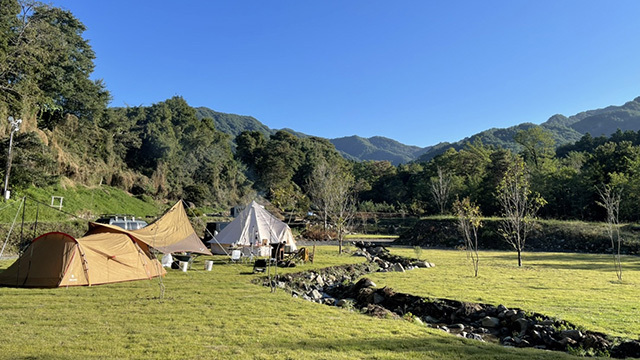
[253, 231]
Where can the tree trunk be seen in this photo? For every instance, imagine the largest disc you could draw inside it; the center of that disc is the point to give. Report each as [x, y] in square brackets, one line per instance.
[519, 258]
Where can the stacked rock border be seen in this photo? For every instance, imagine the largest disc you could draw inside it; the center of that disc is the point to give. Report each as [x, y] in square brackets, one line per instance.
[337, 286]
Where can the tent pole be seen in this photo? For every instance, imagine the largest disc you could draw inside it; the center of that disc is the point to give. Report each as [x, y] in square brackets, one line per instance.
[206, 230]
[22, 225]
[12, 225]
[35, 226]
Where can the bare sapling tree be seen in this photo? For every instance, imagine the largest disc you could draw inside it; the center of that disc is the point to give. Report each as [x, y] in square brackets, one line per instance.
[342, 212]
[519, 206]
[469, 221]
[319, 188]
[440, 189]
[364, 219]
[331, 191]
[418, 251]
[610, 200]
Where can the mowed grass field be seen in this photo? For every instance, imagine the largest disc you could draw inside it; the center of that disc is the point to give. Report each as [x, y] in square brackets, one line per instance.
[222, 315]
[580, 288]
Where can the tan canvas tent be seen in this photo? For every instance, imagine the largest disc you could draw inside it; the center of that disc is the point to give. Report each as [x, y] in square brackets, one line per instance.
[57, 259]
[105, 254]
[254, 230]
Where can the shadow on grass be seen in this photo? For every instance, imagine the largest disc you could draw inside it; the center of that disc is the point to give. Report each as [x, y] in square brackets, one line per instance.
[432, 346]
[573, 261]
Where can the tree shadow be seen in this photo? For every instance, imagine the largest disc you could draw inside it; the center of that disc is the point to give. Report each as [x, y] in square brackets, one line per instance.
[573, 261]
[432, 346]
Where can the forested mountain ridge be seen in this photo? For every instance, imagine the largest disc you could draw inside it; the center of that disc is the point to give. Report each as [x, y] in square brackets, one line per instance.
[564, 129]
[376, 148]
[352, 147]
[233, 124]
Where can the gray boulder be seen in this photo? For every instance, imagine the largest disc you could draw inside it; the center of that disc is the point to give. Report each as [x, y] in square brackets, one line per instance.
[523, 325]
[571, 334]
[490, 322]
[377, 298]
[315, 295]
[397, 267]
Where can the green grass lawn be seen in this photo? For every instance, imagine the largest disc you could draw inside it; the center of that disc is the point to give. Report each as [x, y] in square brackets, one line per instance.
[580, 288]
[221, 314]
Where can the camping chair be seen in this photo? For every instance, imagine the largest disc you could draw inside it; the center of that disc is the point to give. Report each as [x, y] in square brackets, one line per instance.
[236, 256]
[260, 265]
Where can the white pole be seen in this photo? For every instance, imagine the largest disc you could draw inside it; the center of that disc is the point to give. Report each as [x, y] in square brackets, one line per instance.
[15, 126]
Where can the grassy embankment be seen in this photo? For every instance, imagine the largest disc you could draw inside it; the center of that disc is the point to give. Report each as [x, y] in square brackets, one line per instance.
[83, 202]
[220, 314]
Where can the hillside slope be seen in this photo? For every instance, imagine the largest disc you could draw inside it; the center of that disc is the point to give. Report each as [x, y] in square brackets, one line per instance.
[376, 148]
[564, 129]
[233, 124]
[351, 147]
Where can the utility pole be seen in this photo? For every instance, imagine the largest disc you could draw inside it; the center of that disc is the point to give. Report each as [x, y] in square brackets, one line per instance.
[15, 126]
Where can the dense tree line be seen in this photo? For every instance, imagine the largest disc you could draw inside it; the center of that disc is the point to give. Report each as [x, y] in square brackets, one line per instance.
[568, 181]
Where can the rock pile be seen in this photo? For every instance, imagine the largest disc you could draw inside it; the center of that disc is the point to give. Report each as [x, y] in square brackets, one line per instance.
[335, 286]
[387, 261]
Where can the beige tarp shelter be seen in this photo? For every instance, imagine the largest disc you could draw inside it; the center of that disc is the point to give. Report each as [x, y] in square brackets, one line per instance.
[105, 254]
[170, 233]
[254, 230]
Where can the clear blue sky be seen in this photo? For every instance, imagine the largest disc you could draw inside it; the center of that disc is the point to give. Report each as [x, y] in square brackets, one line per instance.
[419, 72]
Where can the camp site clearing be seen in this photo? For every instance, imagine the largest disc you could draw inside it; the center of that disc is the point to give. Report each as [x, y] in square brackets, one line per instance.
[221, 314]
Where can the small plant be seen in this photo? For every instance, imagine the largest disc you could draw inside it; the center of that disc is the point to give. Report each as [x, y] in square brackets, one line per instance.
[576, 351]
[348, 305]
[409, 317]
[581, 351]
[418, 251]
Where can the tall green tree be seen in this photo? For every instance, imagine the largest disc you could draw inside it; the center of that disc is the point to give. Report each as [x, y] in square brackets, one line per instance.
[538, 144]
[45, 64]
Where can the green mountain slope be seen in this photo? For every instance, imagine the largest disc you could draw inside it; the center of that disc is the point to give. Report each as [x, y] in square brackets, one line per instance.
[612, 118]
[376, 148]
[564, 129]
[233, 124]
[352, 147]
